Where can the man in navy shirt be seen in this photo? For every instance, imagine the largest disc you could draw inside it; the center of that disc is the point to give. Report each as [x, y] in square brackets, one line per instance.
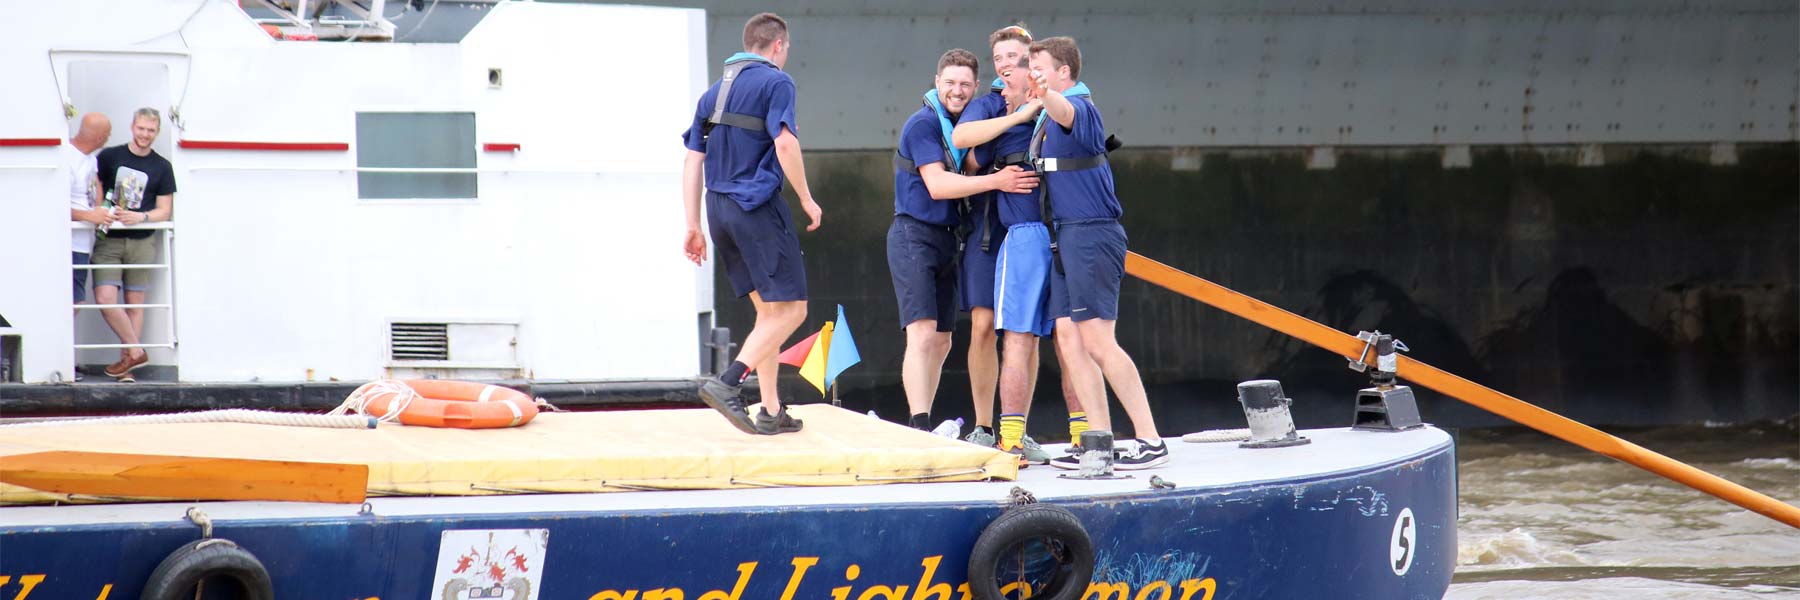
[1088, 251]
[922, 243]
[742, 148]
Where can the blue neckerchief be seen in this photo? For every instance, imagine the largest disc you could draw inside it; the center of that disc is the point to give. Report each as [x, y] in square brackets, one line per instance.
[743, 56]
[998, 84]
[1080, 89]
[956, 154]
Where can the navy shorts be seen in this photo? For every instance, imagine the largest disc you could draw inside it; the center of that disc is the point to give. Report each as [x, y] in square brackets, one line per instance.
[758, 248]
[1093, 260]
[81, 275]
[976, 281]
[921, 260]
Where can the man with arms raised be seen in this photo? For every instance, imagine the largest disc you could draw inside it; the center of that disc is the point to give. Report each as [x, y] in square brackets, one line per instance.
[1087, 251]
[741, 143]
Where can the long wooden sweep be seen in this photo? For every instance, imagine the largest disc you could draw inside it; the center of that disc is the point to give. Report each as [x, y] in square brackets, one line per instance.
[185, 477]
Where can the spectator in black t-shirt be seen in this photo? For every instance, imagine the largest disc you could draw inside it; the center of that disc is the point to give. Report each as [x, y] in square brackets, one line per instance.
[141, 184]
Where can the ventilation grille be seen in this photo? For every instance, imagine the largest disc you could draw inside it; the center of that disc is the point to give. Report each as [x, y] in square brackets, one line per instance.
[419, 341]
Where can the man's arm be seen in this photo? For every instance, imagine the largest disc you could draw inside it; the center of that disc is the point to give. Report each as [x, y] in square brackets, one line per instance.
[93, 213]
[787, 152]
[1059, 107]
[976, 133]
[693, 172]
[164, 211]
[945, 185]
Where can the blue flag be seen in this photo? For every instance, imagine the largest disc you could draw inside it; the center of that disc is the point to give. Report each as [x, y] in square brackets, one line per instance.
[842, 352]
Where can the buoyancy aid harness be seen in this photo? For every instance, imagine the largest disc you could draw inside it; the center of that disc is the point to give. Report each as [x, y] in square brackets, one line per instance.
[953, 161]
[1046, 166]
[733, 66]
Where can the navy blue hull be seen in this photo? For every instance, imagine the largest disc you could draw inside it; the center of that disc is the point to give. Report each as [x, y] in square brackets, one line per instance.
[1332, 536]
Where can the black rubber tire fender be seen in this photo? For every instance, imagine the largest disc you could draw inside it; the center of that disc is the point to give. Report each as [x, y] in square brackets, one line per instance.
[178, 574]
[1022, 524]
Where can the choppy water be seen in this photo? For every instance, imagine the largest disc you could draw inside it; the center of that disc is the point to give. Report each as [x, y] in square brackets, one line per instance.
[1542, 518]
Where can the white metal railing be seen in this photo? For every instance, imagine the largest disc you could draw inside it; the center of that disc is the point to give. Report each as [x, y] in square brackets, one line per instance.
[167, 264]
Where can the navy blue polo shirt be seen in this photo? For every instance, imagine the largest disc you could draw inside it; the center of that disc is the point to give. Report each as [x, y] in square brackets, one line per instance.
[1014, 208]
[741, 164]
[1087, 193]
[922, 142]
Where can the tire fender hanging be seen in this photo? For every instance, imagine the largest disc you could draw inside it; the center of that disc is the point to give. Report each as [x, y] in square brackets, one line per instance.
[178, 574]
[1061, 531]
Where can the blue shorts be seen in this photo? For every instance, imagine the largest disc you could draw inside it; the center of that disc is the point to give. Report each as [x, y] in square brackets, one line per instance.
[758, 248]
[976, 280]
[921, 260]
[81, 275]
[1093, 260]
[1023, 281]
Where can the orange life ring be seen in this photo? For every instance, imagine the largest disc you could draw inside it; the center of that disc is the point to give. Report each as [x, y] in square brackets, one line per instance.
[444, 403]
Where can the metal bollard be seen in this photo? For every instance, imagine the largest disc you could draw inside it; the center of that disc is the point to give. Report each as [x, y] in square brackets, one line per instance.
[1266, 408]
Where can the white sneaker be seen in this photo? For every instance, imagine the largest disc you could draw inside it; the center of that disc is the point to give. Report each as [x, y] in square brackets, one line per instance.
[1138, 454]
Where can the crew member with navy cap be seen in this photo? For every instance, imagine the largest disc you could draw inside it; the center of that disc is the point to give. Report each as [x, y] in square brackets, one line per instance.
[923, 242]
[741, 143]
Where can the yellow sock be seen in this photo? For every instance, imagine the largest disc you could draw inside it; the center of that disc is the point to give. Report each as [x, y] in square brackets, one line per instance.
[1077, 426]
[1012, 430]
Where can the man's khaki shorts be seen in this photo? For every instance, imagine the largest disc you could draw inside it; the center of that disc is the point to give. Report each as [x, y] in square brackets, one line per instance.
[124, 251]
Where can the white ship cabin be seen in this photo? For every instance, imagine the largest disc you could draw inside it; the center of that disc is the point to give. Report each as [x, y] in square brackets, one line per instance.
[506, 206]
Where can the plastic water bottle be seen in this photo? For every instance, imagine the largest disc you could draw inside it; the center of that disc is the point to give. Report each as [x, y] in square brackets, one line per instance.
[872, 414]
[951, 428]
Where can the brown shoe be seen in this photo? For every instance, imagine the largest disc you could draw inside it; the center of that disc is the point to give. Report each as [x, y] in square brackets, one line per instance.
[125, 366]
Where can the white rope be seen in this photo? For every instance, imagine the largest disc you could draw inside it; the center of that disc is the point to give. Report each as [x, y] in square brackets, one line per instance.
[358, 402]
[1217, 435]
[235, 415]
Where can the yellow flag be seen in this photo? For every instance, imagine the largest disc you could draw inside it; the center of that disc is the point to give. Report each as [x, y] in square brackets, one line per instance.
[813, 371]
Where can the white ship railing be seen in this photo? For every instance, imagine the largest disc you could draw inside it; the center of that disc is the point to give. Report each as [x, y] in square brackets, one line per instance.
[167, 264]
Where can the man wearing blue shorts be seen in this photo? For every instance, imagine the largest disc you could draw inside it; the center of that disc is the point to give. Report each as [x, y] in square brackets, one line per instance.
[1087, 251]
[741, 143]
[998, 125]
[922, 244]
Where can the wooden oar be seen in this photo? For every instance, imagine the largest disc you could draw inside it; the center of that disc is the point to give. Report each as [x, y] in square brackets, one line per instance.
[1426, 375]
[185, 477]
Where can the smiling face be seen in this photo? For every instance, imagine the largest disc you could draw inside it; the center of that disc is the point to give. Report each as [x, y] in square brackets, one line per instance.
[955, 87]
[143, 133]
[1006, 54]
[1017, 77]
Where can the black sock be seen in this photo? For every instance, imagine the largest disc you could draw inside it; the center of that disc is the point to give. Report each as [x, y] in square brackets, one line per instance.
[921, 421]
[734, 374]
[984, 429]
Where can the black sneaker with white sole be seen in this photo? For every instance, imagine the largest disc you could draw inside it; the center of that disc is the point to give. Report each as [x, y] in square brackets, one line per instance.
[1139, 454]
[724, 398]
[780, 423]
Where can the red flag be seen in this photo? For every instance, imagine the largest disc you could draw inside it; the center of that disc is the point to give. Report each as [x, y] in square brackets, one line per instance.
[796, 354]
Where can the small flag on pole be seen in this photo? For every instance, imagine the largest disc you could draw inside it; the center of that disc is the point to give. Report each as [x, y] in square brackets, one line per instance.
[813, 371]
[840, 353]
[795, 355]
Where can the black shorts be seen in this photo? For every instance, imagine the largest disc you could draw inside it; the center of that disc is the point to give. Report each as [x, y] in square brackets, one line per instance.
[758, 248]
[922, 262]
[1093, 260]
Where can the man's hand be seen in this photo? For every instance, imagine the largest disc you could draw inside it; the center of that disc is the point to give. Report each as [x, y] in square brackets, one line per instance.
[813, 213]
[695, 246]
[97, 216]
[1040, 84]
[1014, 180]
[132, 217]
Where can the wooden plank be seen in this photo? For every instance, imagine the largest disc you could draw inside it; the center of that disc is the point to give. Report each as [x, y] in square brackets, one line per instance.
[1528, 414]
[185, 477]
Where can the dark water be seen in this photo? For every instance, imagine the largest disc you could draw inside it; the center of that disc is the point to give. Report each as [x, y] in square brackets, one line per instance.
[1542, 518]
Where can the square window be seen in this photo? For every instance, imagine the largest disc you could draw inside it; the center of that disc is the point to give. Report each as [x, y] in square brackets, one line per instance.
[415, 140]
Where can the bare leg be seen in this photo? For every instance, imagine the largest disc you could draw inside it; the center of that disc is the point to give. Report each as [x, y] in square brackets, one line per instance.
[775, 322]
[1015, 372]
[1121, 372]
[923, 364]
[1083, 374]
[116, 318]
[137, 318]
[984, 364]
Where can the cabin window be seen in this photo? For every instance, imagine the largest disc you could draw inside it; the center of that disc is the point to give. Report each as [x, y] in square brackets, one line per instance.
[415, 140]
